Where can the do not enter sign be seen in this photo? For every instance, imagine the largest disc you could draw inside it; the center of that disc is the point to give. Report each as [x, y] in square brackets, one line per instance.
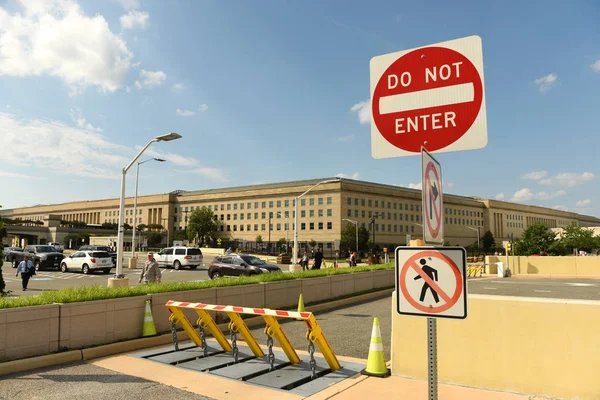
[430, 97]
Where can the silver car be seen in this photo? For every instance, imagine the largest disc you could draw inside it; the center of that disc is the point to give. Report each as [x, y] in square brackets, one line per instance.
[87, 261]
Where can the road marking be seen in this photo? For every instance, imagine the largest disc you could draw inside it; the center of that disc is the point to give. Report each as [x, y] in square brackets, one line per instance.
[580, 284]
[490, 288]
[542, 291]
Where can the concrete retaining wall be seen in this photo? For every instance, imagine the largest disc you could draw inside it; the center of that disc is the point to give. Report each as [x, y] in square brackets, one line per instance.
[31, 331]
[567, 265]
[546, 347]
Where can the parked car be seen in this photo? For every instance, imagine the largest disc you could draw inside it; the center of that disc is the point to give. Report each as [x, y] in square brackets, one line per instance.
[7, 250]
[238, 265]
[87, 261]
[178, 257]
[57, 246]
[43, 256]
[111, 252]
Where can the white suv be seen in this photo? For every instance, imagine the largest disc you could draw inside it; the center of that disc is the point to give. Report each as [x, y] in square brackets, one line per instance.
[178, 257]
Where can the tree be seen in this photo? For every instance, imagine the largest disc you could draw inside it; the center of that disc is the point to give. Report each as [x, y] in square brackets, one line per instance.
[152, 227]
[178, 235]
[488, 241]
[127, 227]
[348, 239]
[154, 239]
[281, 243]
[259, 239]
[312, 243]
[201, 225]
[536, 239]
[141, 227]
[576, 237]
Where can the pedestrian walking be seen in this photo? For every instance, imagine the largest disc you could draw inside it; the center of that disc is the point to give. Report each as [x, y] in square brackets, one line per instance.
[151, 272]
[305, 262]
[353, 259]
[318, 259]
[27, 270]
[228, 251]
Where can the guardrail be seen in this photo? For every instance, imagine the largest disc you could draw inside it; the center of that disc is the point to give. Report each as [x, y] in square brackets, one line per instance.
[237, 325]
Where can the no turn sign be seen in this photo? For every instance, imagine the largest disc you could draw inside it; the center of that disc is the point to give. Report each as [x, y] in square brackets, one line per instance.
[430, 97]
[433, 202]
[431, 281]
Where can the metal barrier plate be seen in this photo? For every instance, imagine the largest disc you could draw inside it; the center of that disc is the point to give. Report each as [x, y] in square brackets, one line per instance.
[286, 376]
[216, 361]
[294, 378]
[184, 355]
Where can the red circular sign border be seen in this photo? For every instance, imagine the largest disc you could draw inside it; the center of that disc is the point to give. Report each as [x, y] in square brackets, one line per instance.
[439, 225]
[478, 98]
[457, 275]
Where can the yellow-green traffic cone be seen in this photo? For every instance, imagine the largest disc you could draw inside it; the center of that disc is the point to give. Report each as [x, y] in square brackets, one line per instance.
[376, 361]
[300, 303]
[149, 328]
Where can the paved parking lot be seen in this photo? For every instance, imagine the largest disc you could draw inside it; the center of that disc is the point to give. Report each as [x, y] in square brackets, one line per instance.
[583, 289]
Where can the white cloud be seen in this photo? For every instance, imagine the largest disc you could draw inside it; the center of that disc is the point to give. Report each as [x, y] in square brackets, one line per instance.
[202, 108]
[415, 186]
[363, 109]
[548, 196]
[185, 113]
[55, 38]
[535, 175]
[345, 138]
[526, 194]
[545, 83]
[178, 88]
[353, 176]
[569, 179]
[129, 4]
[149, 79]
[500, 196]
[522, 195]
[214, 174]
[134, 19]
[584, 203]
[56, 146]
[596, 66]
[18, 176]
[81, 122]
[560, 208]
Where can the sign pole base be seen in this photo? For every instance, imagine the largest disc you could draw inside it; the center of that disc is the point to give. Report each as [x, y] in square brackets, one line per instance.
[432, 357]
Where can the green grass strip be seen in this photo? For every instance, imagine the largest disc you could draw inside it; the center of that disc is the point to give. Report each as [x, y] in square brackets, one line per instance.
[97, 292]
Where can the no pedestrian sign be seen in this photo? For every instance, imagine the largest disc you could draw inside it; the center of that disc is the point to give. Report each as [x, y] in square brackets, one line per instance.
[433, 203]
[431, 282]
[431, 96]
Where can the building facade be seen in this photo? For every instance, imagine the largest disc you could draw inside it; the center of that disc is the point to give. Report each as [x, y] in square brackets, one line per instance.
[243, 213]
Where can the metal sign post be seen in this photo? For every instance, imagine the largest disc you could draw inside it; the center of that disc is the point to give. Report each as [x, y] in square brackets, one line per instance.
[432, 357]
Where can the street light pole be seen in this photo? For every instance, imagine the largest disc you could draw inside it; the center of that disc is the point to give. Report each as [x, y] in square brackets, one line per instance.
[135, 217]
[295, 255]
[355, 228]
[120, 236]
[476, 230]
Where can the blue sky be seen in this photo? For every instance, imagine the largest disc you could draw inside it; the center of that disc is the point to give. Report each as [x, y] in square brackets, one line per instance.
[265, 92]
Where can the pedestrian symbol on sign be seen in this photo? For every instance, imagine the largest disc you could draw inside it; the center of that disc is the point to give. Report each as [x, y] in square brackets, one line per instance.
[431, 273]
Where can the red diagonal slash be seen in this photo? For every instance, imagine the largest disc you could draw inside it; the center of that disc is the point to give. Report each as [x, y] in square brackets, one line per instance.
[431, 283]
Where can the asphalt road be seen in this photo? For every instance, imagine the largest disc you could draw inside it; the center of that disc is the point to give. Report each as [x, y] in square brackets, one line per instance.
[583, 289]
[85, 382]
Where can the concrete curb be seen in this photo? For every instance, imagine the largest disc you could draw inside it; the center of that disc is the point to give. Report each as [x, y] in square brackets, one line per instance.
[28, 364]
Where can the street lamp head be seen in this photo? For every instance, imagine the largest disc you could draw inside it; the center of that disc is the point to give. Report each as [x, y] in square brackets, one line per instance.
[168, 137]
[159, 159]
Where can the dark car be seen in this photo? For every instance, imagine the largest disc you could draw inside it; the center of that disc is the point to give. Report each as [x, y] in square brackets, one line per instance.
[43, 256]
[238, 265]
[7, 251]
[89, 247]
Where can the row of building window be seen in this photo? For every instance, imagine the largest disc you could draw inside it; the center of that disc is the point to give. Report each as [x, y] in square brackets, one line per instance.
[116, 212]
[515, 225]
[376, 203]
[271, 204]
[369, 214]
[463, 213]
[263, 215]
[278, 227]
[470, 222]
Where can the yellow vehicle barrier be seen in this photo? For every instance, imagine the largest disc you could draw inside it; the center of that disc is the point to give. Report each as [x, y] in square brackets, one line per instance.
[237, 325]
[473, 271]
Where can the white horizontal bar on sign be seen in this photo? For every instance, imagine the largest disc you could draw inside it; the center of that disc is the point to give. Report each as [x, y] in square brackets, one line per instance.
[443, 96]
